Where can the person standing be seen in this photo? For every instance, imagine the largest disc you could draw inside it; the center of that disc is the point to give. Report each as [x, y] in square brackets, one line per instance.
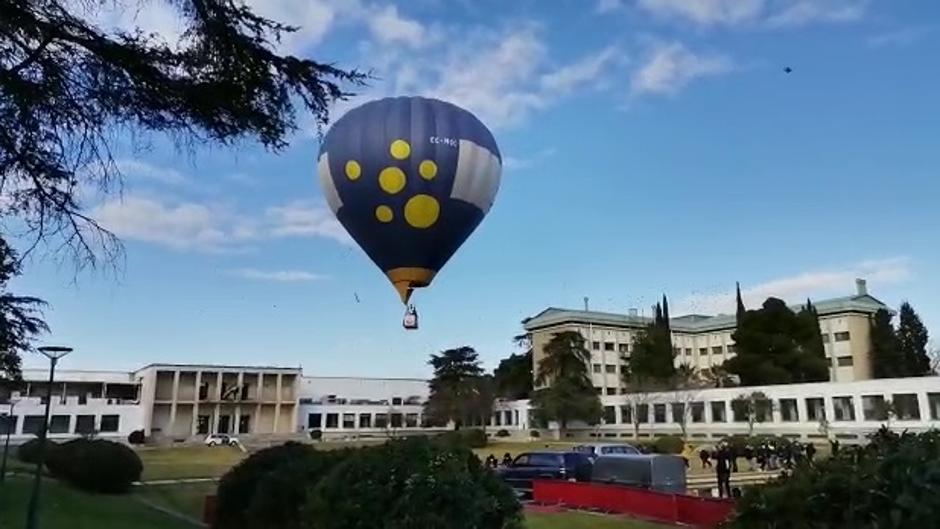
[706, 458]
[810, 451]
[723, 471]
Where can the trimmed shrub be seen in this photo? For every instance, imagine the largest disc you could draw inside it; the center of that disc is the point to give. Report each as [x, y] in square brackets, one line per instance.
[671, 444]
[238, 486]
[890, 483]
[502, 433]
[467, 437]
[316, 435]
[96, 465]
[136, 437]
[535, 433]
[28, 452]
[412, 483]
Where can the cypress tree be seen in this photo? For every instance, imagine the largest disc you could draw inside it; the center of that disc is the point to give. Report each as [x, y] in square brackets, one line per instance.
[740, 310]
[886, 360]
[912, 342]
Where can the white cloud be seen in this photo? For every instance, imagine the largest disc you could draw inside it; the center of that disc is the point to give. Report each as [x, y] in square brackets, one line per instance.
[140, 169]
[705, 12]
[803, 12]
[671, 66]
[900, 37]
[512, 163]
[387, 25]
[278, 276]
[795, 289]
[608, 6]
[214, 228]
[579, 73]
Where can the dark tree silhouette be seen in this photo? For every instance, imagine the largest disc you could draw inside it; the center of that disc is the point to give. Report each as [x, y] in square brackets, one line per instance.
[20, 318]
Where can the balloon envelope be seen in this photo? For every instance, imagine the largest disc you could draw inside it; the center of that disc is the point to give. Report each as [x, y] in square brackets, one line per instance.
[409, 178]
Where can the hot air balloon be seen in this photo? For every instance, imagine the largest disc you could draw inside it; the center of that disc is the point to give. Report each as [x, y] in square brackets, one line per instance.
[409, 178]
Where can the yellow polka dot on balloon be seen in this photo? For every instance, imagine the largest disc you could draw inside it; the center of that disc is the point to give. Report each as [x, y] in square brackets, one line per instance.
[422, 211]
[400, 149]
[384, 214]
[428, 169]
[392, 180]
[353, 170]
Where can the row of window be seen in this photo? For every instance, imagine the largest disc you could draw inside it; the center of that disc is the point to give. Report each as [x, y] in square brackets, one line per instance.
[902, 406]
[837, 336]
[610, 346]
[350, 421]
[83, 424]
[703, 351]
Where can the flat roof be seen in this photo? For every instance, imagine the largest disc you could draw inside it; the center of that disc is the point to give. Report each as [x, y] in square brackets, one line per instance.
[209, 367]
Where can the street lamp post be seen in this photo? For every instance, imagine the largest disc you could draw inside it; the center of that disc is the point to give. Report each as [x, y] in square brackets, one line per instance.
[6, 443]
[53, 353]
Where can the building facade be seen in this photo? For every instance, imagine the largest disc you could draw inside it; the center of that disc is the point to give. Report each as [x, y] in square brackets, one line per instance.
[703, 342]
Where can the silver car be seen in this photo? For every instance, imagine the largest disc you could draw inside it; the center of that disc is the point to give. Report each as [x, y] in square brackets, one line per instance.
[594, 450]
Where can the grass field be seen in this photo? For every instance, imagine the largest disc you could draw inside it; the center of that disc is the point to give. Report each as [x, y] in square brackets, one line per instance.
[188, 461]
[64, 508]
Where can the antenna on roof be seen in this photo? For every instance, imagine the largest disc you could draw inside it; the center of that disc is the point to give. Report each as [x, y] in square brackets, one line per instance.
[585, 303]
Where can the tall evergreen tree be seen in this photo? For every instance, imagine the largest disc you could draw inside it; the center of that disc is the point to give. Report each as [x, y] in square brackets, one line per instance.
[658, 314]
[912, 341]
[20, 319]
[815, 348]
[565, 391]
[886, 358]
[741, 311]
[666, 323]
[454, 386]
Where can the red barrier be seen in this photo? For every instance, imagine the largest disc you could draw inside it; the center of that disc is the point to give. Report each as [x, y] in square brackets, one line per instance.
[670, 508]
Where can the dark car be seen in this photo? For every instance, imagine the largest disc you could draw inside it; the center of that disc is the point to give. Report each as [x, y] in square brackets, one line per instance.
[571, 466]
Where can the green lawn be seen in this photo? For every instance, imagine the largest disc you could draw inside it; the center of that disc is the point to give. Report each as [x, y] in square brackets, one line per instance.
[578, 520]
[188, 461]
[64, 508]
[186, 498]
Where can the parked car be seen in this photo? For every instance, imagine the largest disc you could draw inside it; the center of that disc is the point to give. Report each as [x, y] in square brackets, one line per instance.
[659, 472]
[571, 466]
[594, 450]
[221, 439]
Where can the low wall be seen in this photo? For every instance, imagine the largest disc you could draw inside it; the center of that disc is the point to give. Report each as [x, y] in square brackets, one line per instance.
[705, 513]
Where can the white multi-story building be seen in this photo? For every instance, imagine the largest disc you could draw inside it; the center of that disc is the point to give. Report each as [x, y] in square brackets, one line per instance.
[706, 341]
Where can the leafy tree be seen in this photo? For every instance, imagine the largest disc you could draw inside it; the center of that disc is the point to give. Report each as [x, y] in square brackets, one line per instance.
[684, 390]
[912, 341]
[20, 318]
[68, 88]
[754, 407]
[814, 348]
[776, 346]
[653, 356]
[454, 386]
[481, 396]
[566, 393]
[886, 358]
[514, 374]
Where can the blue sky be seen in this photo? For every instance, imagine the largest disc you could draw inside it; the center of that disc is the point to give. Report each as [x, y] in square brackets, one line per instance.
[649, 145]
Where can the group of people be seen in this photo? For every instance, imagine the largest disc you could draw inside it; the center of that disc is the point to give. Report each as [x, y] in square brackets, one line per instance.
[767, 456]
[491, 461]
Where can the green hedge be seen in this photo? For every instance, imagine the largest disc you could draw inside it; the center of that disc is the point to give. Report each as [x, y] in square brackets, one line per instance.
[671, 444]
[95, 465]
[466, 437]
[28, 452]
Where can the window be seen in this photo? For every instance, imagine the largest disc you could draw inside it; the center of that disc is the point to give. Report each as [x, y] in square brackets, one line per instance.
[110, 423]
[597, 368]
[825, 337]
[716, 350]
[32, 424]
[497, 419]
[626, 414]
[732, 348]
[703, 351]
[678, 413]
[59, 424]
[8, 424]
[596, 346]
[84, 424]
[610, 369]
[332, 420]
[611, 391]
[396, 420]
[507, 418]
[933, 402]
[599, 390]
[396, 401]
[815, 409]
[739, 410]
[719, 412]
[642, 413]
[623, 348]
[365, 420]
[906, 406]
[314, 421]
[381, 420]
[610, 415]
[688, 351]
[874, 408]
[789, 411]
[349, 421]
[845, 361]
[83, 399]
[844, 408]
[608, 346]
[842, 336]
[697, 411]
[623, 369]
[411, 420]
[659, 413]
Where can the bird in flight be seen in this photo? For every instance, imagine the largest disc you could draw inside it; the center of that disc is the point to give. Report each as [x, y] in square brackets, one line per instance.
[788, 70]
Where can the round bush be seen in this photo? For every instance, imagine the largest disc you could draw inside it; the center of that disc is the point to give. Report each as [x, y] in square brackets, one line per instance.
[671, 444]
[535, 433]
[316, 435]
[502, 433]
[467, 437]
[96, 465]
[237, 487]
[412, 483]
[136, 437]
[28, 452]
